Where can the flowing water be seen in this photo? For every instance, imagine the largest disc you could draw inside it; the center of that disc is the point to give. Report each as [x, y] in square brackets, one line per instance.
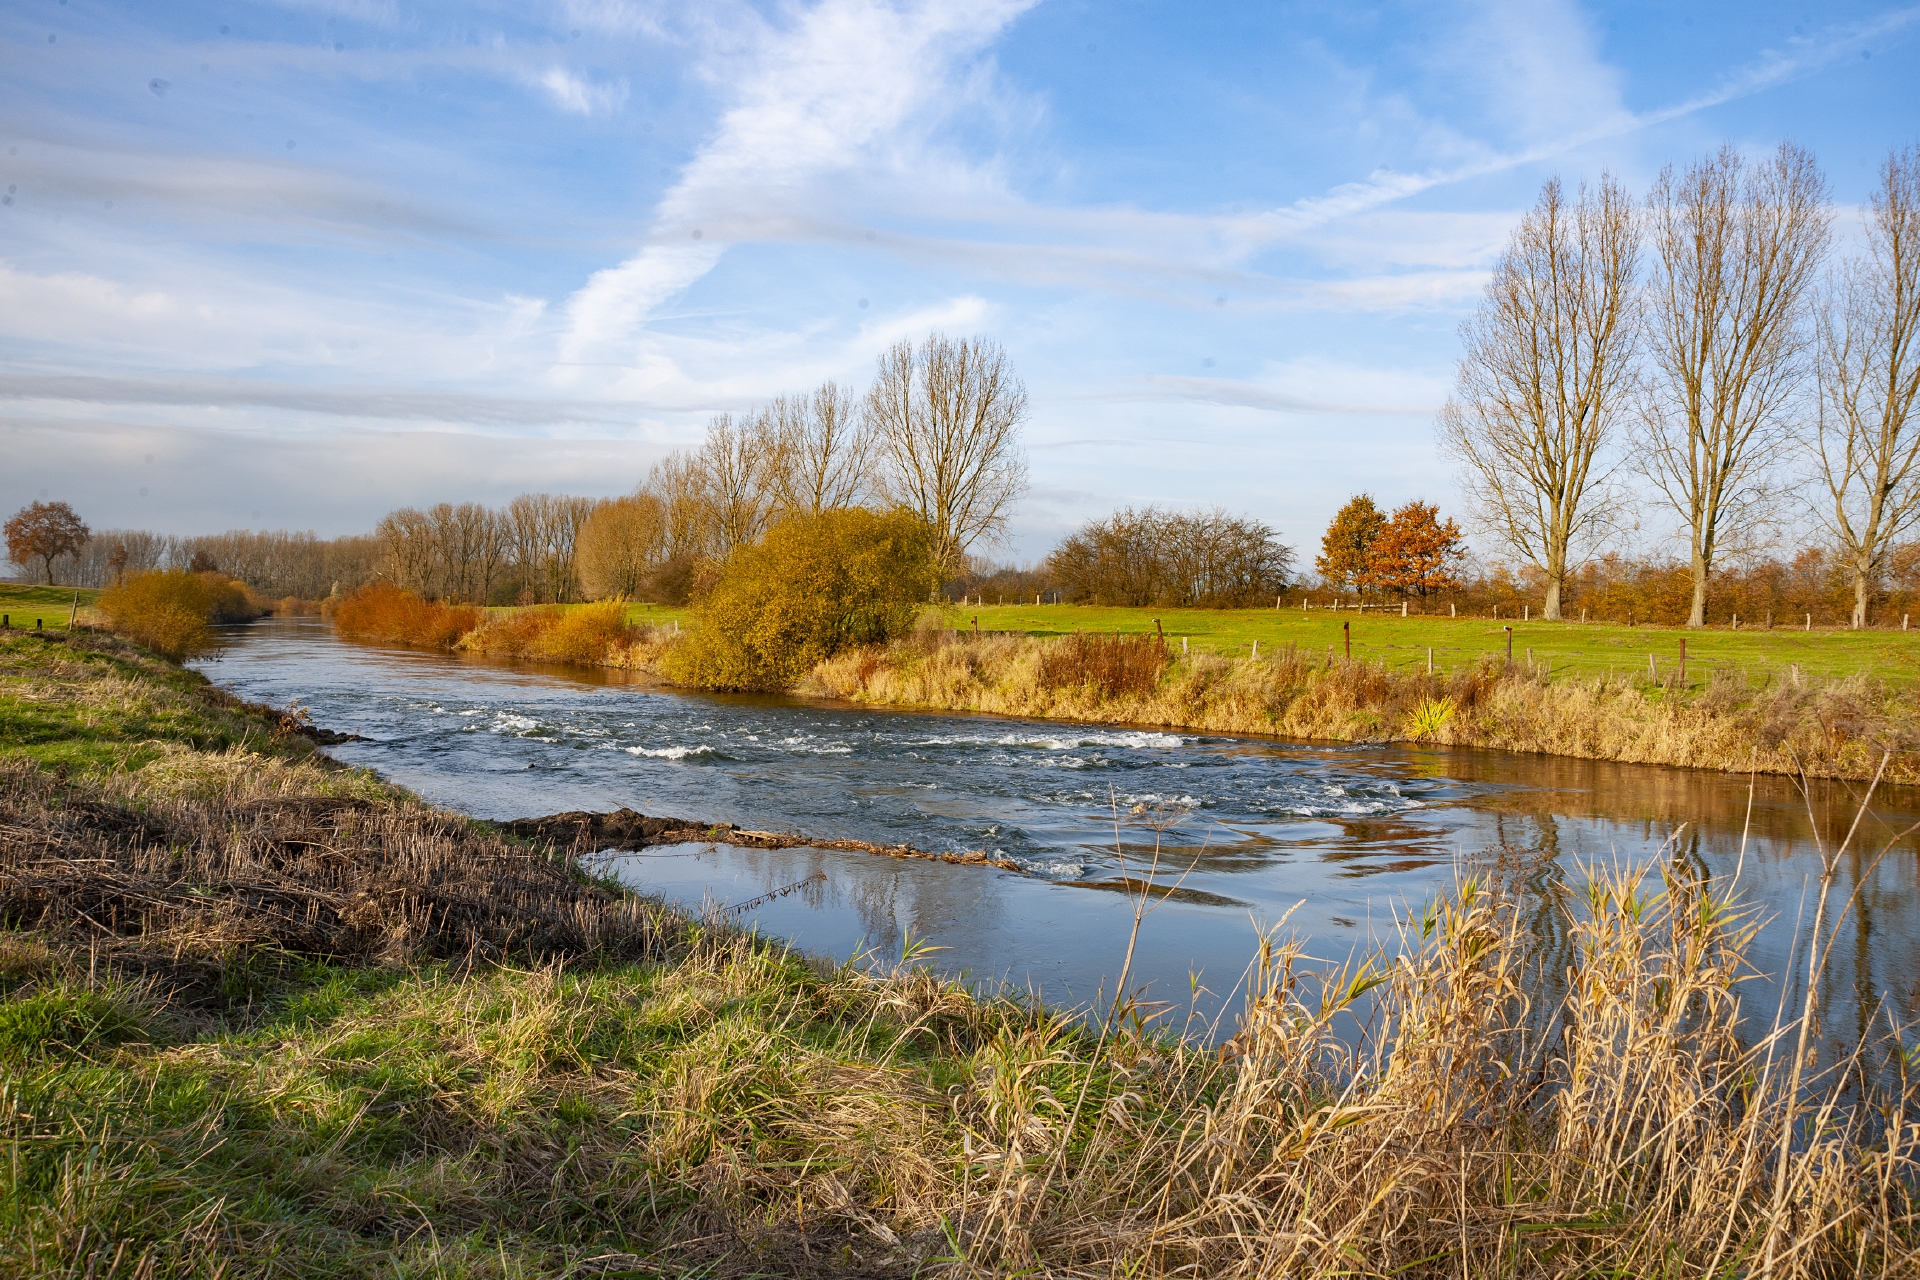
[1337, 841]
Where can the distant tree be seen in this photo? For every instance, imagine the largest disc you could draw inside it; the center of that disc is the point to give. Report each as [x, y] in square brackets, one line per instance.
[737, 467]
[1736, 249]
[1546, 375]
[1345, 561]
[946, 419]
[45, 531]
[1866, 439]
[1416, 553]
[1207, 559]
[619, 546]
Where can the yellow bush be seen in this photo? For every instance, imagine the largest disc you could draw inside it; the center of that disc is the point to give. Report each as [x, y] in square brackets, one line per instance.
[584, 634]
[167, 610]
[815, 585]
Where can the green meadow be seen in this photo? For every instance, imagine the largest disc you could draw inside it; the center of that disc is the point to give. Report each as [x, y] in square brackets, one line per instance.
[29, 607]
[1574, 648]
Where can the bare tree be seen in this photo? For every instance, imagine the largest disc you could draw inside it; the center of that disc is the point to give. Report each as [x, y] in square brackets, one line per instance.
[946, 419]
[1737, 248]
[1546, 374]
[462, 534]
[1866, 439]
[823, 450]
[1152, 557]
[685, 519]
[737, 465]
[407, 553]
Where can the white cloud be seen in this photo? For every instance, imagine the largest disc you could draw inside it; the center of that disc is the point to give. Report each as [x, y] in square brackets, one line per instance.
[571, 93]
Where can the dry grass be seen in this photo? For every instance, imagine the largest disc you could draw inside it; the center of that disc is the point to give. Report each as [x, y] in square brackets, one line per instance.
[200, 859]
[1829, 728]
[1115, 666]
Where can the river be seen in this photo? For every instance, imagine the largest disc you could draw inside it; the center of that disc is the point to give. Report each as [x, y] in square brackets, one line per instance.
[1346, 838]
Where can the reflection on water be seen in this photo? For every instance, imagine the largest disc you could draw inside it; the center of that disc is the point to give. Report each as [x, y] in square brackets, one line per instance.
[1350, 836]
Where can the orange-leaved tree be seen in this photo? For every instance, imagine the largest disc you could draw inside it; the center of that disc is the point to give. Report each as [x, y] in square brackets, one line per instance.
[1416, 553]
[45, 531]
[1345, 561]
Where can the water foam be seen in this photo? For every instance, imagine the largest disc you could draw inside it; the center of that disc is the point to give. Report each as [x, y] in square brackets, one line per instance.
[671, 753]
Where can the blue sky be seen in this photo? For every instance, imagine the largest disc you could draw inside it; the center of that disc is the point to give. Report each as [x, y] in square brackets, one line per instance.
[293, 264]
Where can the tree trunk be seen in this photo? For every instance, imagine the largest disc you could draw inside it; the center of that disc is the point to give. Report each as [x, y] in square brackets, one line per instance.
[1859, 599]
[1551, 612]
[1697, 617]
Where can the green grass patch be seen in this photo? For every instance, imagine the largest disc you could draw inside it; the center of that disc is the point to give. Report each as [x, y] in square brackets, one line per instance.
[1574, 648]
[46, 607]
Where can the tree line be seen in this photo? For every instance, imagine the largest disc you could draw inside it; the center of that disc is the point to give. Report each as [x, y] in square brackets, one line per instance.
[276, 563]
[936, 435]
[1146, 556]
[1704, 339]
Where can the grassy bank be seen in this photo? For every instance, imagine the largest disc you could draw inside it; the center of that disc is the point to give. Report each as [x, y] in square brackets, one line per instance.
[264, 1016]
[1723, 718]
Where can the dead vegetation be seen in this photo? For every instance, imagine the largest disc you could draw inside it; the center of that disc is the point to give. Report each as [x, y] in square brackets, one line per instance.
[185, 885]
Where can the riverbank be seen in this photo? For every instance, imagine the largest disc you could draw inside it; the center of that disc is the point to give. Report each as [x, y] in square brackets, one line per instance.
[1762, 701]
[1826, 728]
[264, 1015]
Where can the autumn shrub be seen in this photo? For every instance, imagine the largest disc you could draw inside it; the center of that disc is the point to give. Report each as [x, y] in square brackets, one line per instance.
[167, 610]
[585, 634]
[384, 612]
[813, 586]
[230, 600]
[1115, 665]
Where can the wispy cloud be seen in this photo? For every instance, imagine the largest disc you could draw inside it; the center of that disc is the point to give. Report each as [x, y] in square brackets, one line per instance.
[834, 90]
[572, 93]
[1802, 56]
[363, 403]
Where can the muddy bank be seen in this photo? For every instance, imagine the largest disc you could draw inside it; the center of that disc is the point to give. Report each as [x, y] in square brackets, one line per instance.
[578, 831]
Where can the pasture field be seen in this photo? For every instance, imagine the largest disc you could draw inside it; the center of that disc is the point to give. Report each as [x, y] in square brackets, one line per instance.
[1571, 648]
[28, 606]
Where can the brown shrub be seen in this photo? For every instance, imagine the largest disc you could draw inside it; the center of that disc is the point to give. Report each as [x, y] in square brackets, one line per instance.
[1115, 665]
[167, 610]
[382, 611]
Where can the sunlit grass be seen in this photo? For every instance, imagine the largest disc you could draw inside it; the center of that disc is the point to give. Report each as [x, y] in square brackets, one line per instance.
[1573, 648]
[28, 607]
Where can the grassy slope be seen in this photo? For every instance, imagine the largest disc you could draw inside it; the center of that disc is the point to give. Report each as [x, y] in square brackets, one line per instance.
[300, 1116]
[1571, 647]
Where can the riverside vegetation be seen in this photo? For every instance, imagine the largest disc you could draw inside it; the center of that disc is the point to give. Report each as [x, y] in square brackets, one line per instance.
[262, 1015]
[1828, 704]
